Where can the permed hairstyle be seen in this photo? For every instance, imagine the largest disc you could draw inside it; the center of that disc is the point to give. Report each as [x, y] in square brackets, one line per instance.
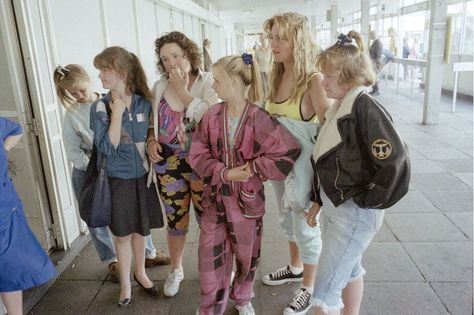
[191, 50]
[294, 28]
[66, 78]
[127, 64]
[229, 66]
[350, 60]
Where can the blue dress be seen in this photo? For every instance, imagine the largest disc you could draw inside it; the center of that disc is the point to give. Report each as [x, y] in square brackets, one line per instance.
[23, 262]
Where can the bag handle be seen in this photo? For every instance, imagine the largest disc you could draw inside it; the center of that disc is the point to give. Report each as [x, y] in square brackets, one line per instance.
[102, 158]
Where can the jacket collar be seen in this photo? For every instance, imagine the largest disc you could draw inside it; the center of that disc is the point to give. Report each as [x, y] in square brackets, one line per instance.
[329, 136]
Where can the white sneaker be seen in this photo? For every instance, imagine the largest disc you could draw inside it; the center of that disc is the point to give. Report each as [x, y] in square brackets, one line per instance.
[246, 309]
[171, 286]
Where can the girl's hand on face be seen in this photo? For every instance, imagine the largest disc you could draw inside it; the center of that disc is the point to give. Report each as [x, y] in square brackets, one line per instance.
[178, 78]
[312, 213]
[154, 150]
[240, 173]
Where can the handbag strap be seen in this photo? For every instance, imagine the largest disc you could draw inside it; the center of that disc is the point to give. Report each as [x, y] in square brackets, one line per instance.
[102, 158]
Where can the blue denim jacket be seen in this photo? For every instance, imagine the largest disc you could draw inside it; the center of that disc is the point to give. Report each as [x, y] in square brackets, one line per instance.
[127, 160]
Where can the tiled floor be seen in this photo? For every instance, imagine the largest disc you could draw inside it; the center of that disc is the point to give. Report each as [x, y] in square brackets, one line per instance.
[419, 263]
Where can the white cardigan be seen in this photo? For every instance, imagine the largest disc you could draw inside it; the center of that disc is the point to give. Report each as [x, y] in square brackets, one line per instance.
[203, 95]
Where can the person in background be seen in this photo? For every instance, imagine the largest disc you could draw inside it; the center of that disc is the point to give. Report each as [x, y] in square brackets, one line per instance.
[295, 93]
[375, 53]
[405, 54]
[393, 43]
[361, 167]
[235, 146]
[181, 97]
[263, 54]
[120, 123]
[73, 88]
[415, 48]
[207, 61]
[23, 262]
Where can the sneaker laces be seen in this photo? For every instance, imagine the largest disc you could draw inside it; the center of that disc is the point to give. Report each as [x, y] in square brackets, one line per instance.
[171, 278]
[300, 300]
[279, 273]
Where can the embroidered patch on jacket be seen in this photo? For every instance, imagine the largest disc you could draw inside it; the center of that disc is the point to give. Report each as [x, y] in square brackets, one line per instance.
[381, 149]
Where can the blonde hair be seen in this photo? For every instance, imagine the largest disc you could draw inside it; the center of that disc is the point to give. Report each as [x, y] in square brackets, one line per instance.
[229, 66]
[350, 60]
[294, 28]
[128, 64]
[66, 78]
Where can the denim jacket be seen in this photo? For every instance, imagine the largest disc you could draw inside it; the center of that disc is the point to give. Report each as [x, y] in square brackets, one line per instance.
[127, 160]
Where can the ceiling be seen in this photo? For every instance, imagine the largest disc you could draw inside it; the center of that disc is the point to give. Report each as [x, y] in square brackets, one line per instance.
[249, 15]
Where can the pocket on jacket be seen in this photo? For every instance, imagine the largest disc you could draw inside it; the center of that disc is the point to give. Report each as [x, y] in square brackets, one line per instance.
[251, 198]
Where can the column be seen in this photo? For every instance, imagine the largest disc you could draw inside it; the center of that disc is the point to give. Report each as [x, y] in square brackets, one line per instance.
[334, 24]
[434, 69]
[365, 20]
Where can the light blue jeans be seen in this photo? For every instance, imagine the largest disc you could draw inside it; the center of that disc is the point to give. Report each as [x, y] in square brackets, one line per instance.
[101, 236]
[347, 231]
[297, 229]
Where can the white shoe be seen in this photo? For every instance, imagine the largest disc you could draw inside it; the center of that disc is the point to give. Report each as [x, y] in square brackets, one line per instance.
[246, 309]
[171, 286]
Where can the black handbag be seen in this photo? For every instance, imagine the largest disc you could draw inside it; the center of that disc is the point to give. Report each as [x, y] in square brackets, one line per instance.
[95, 201]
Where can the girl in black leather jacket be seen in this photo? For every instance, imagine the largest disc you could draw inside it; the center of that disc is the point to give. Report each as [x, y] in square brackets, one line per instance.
[361, 167]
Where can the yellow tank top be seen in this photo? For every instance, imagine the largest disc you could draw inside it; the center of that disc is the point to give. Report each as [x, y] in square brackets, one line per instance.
[288, 108]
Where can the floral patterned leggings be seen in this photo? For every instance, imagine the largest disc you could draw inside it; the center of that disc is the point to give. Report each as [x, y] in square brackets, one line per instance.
[178, 185]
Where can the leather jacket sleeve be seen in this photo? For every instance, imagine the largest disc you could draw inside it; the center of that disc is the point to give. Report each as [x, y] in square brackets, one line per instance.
[387, 157]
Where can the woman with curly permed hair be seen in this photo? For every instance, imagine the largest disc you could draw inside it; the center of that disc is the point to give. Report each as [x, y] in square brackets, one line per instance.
[297, 98]
[181, 97]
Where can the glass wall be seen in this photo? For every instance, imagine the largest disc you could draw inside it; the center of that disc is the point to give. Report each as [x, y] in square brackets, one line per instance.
[323, 38]
[413, 29]
[462, 35]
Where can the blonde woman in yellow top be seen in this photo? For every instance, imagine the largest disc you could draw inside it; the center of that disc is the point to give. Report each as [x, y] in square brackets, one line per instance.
[295, 93]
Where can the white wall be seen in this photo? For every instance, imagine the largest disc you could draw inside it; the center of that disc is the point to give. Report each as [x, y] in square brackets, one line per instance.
[82, 29]
[465, 83]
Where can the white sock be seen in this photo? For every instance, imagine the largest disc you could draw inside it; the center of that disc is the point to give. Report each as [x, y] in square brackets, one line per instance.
[309, 289]
[296, 270]
[178, 270]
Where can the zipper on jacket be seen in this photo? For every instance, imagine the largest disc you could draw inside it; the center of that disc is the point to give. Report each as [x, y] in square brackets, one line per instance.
[341, 193]
[130, 121]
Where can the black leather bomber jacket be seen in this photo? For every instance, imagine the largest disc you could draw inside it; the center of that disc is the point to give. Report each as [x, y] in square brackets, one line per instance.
[370, 164]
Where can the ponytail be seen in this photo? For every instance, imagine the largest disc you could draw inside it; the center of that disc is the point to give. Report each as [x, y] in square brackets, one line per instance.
[358, 40]
[66, 78]
[246, 67]
[137, 79]
[256, 85]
